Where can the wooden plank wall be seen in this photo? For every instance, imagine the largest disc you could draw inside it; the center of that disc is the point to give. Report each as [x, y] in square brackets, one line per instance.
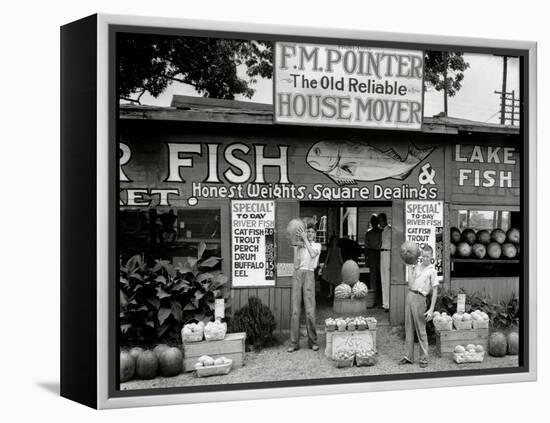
[398, 285]
[276, 298]
[497, 289]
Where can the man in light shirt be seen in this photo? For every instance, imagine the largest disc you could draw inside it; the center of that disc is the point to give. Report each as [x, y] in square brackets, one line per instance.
[385, 254]
[422, 281]
[306, 259]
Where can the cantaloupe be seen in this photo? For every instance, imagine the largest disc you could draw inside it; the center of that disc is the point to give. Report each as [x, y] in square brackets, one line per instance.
[513, 343]
[127, 366]
[497, 344]
[350, 272]
[171, 362]
[147, 365]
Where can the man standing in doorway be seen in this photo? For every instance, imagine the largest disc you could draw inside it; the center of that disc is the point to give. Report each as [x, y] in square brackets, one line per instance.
[306, 259]
[385, 254]
[373, 242]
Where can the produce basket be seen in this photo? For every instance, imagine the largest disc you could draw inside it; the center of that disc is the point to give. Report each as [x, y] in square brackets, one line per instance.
[462, 325]
[371, 323]
[215, 331]
[469, 357]
[342, 328]
[362, 326]
[351, 326]
[220, 369]
[367, 360]
[330, 327]
[443, 326]
[192, 332]
[480, 324]
[341, 363]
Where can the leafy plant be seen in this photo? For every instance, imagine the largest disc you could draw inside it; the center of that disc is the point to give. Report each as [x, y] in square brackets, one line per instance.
[156, 301]
[257, 320]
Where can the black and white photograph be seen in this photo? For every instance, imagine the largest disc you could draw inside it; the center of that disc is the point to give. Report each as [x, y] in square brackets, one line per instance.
[307, 211]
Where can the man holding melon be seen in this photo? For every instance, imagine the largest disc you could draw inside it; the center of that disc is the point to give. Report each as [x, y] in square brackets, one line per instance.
[306, 259]
[422, 281]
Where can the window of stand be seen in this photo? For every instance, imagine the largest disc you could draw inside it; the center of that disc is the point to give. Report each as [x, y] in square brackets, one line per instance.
[169, 234]
[484, 241]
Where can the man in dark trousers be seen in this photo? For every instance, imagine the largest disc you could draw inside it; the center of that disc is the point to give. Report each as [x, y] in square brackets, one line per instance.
[373, 242]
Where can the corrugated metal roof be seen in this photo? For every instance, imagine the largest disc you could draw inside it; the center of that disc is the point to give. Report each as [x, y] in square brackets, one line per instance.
[201, 109]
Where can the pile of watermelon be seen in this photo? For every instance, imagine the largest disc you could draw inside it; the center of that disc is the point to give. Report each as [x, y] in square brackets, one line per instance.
[139, 363]
[500, 344]
[345, 291]
[484, 244]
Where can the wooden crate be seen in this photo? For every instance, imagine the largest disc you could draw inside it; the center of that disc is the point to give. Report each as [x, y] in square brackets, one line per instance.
[232, 347]
[368, 337]
[446, 341]
[350, 307]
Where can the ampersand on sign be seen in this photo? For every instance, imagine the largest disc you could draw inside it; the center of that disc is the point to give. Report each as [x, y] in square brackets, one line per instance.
[427, 175]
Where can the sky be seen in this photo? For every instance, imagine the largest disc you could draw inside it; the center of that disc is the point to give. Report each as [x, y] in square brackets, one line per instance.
[476, 99]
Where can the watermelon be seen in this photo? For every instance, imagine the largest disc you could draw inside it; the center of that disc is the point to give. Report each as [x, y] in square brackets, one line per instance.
[127, 366]
[513, 343]
[171, 362]
[292, 231]
[512, 236]
[135, 352]
[479, 250]
[483, 236]
[455, 235]
[360, 290]
[409, 251]
[342, 291]
[509, 250]
[350, 272]
[464, 249]
[498, 235]
[469, 236]
[497, 344]
[147, 365]
[494, 250]
[159, 349]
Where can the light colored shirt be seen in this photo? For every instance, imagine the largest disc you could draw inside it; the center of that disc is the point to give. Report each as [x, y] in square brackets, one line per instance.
[423, 278]
[306, 262]
[386, 238]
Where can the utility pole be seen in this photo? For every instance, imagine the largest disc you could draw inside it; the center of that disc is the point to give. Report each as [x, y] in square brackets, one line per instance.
[503, 91]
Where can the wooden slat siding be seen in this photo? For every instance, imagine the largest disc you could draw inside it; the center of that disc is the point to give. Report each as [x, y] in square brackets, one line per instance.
[497, 289]
[277, 293]
[285, 307]
[446, 246]
[263, 295]
[272, 299]
[285, 211]
[397, 269]
[397, 305]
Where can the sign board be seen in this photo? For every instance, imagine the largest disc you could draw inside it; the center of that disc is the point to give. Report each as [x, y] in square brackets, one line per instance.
[334, 85]
[423, 225]
[461, 303]
[253, 243]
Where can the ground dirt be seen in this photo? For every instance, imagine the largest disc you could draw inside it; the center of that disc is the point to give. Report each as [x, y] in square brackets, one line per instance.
[276, 364]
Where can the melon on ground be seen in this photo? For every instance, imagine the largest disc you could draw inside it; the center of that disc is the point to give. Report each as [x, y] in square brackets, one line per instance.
[127, 366]
[497, 344]
[171, 362]
[513, 343]
[147, 365]
[135, 352]
[159, 349]
[350, 272]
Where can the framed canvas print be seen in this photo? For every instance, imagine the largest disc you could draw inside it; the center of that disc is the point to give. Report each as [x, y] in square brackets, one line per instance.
[262, 211]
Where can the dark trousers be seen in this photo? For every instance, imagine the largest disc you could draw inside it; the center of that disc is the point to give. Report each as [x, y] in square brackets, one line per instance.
[373, 260]
[303, 286]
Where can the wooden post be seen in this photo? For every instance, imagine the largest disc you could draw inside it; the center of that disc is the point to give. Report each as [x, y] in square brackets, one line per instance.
[503, 91]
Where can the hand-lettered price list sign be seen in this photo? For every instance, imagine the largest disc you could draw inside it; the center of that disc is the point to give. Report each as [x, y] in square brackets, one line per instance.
[253, 243]
[424, 225]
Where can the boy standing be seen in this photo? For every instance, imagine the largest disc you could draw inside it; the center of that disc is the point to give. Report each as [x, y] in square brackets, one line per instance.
[422, 280]
[306, 259]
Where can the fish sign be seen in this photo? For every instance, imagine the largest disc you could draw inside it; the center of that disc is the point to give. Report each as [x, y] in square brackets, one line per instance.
[347, 162]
